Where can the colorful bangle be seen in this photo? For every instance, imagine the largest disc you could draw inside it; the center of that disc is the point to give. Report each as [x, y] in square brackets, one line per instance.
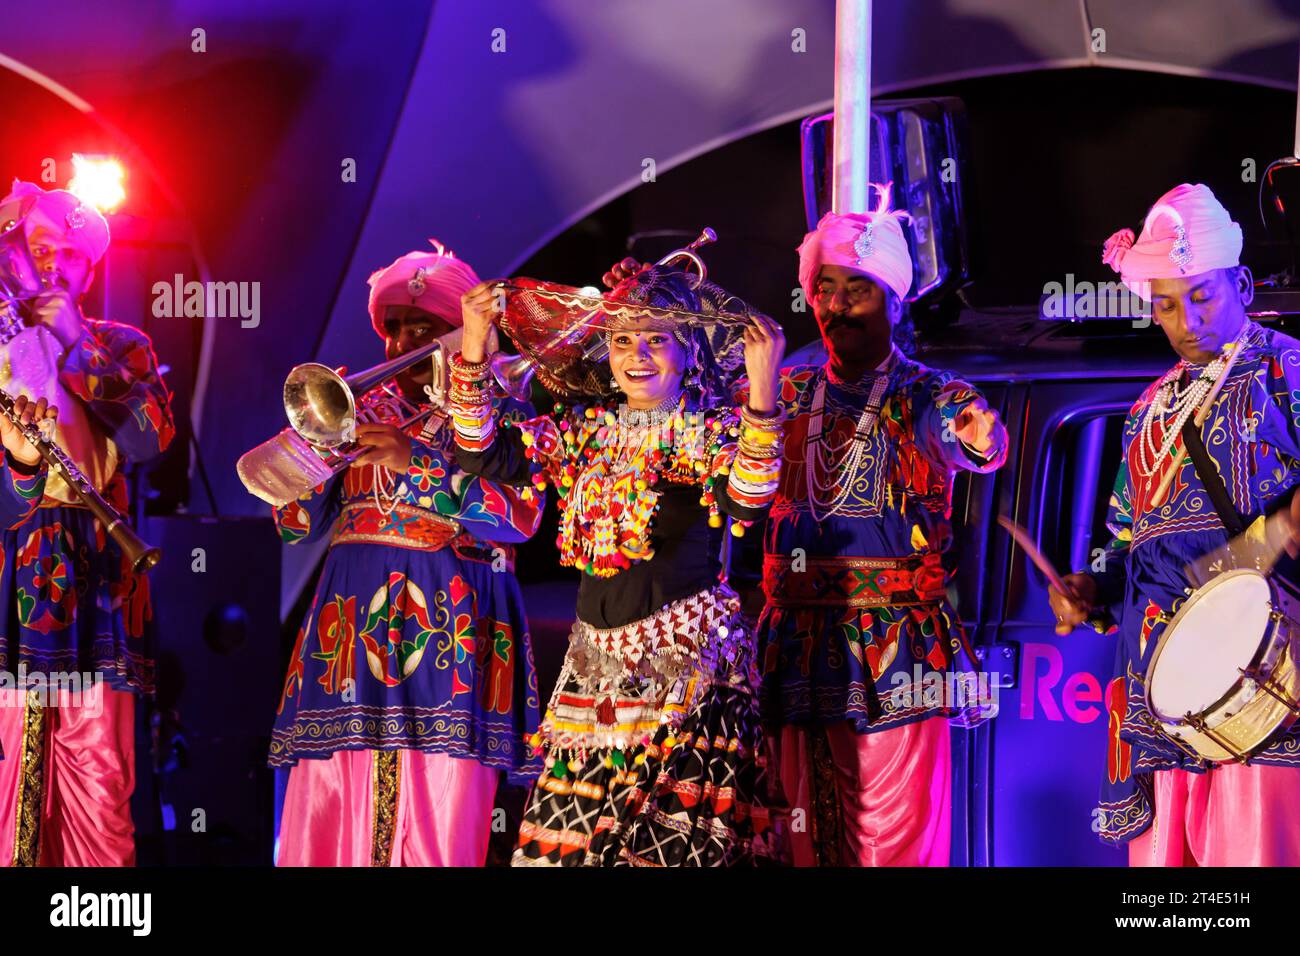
[753, 483]
[469, 371]
[462, 396]
[754, 420]
[475, 428]
[470, 403]
[761, 443]
[761, 438]
[760, 454]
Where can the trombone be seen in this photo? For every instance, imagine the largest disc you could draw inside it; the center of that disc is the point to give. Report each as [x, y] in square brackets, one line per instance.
[324, 409]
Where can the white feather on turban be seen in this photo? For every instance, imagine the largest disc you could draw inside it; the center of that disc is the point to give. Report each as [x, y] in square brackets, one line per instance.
[870, 242]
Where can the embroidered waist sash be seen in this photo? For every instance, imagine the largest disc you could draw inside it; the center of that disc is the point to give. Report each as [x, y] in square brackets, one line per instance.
[852, 581]
[618, 685]
[414, 528]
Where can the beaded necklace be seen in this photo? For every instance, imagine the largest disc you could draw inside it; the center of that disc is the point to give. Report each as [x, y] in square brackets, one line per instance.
[819, 459]
[610, 464]
[1181, 404]
[386, 496]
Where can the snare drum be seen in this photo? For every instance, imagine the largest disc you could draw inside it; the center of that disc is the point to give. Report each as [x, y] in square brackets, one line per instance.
[1223, 679]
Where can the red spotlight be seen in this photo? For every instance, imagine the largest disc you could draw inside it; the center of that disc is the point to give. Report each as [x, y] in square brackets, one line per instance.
[98, 181]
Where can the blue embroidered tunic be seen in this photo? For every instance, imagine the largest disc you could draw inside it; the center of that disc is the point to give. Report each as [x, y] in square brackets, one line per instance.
[856, 624]
[1253, 436]
[425, 595]
[72, 604]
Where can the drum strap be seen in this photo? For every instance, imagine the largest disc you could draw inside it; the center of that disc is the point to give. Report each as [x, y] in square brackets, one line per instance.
[1210, 478]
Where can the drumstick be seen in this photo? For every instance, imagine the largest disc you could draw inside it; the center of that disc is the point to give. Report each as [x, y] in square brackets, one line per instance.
[1021, 537]
[1198, 419]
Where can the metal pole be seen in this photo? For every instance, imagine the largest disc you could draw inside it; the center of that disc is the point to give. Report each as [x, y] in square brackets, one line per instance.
[852, 146]
[1296, 151]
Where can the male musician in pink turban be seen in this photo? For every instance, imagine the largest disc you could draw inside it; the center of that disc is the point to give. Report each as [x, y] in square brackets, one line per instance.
[856, 625]
[857, 631]
[411, 687]
[76, 611]
[1169, 807]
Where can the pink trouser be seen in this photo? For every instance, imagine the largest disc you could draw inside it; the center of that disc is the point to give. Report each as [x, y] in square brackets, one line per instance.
[1234, 815]
[443, 811]
[87, 773]
[893, 788]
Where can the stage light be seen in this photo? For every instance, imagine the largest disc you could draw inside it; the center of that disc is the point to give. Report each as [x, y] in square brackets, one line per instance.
[98, 181]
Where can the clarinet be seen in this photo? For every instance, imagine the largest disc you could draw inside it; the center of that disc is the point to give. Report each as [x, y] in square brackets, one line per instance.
[139, 555]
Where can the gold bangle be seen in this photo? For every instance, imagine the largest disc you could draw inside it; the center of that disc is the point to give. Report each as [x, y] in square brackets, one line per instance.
[754, 420]
[478, 399]
[755, 454]
[752, 449]
[473, 370]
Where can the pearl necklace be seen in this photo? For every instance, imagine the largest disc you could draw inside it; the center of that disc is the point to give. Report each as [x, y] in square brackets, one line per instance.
[1182, 405]
[386, 495]
[385, 500]
[814, 457]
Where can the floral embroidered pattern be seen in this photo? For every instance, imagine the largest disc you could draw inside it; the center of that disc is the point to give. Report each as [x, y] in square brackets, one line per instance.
[391, 653]
[47, 601]
[425, 473]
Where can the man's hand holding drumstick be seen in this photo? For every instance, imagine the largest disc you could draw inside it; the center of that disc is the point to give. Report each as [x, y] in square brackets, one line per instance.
[1074, 608]
[1072, 597]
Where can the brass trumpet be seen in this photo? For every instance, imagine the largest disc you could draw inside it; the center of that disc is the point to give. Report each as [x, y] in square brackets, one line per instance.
[324, 409]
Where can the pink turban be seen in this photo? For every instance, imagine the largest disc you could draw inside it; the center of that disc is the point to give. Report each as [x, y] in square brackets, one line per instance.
[870, 242]
[61, 212]
[432, 281]
[1186, 233]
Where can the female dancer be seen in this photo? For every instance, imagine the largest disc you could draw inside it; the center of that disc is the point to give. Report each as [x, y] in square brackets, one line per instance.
[652, 747]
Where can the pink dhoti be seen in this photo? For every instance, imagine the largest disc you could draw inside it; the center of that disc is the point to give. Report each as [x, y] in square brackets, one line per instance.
[66, 778]
[1234, 815]
[387, 808]
[879, 799]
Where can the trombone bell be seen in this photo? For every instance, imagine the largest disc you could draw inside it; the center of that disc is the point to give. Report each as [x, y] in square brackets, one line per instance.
[514, 373]
[323, 408]
[320, 405]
